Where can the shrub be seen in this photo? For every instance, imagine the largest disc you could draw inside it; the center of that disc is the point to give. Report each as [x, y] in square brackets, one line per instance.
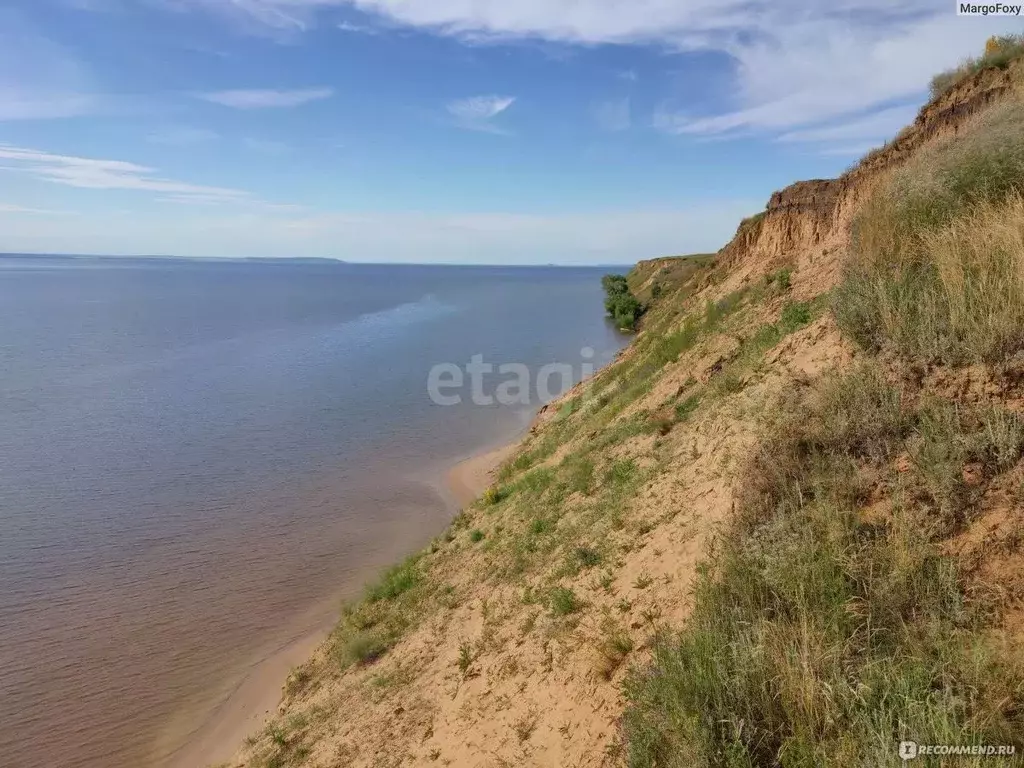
[476, 536]
[936, 264]
[624, 308]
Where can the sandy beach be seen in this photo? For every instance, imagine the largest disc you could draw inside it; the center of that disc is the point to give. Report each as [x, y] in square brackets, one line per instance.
[254, 699]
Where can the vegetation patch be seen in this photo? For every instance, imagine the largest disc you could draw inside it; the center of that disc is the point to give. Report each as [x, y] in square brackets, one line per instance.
[620, 303]
[1000, 51]
[563, 601]
[819, 637]
[937, 265]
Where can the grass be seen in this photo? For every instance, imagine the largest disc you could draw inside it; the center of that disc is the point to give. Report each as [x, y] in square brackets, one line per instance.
[395, 581]
[936, 271]
[818, 637]
[685, 408]
[562, 601]
[613, 648]
[999, 52]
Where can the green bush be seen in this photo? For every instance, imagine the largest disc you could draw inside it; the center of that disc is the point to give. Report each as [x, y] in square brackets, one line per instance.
[624, 308]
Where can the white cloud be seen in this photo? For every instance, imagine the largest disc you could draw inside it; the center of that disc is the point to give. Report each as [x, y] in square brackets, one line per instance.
[90, 173]
[267, 98]
[599, 237]
[480, 107]
[357, 29]
[613, 116]
[478, 112]
[795, 62]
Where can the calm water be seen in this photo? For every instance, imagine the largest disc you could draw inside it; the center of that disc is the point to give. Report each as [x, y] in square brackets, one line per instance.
[193, 456]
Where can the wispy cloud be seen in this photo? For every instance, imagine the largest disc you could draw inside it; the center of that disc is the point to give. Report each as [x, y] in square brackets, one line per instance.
[478, 113]
[794, 62]
[872, 126]
[613, 116]
[358, 29]
[267, 98]
[91, 173]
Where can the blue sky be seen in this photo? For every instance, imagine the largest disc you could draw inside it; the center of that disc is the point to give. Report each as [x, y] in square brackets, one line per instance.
[485, 131]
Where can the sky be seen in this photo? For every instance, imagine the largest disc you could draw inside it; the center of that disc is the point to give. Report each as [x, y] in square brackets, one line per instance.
[460, 131]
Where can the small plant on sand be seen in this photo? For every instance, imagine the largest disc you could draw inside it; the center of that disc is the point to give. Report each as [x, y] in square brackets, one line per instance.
[525, 726]
[685, 408]
[395, 581]
[795, 315]
[562, 601]
[465, 661]
[643, 581]
[586, 557]
[613, 648]
[494, 495]
[476, 535]
[297, 681]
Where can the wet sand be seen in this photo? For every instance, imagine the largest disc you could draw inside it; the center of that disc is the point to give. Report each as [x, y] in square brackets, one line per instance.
[253, 701]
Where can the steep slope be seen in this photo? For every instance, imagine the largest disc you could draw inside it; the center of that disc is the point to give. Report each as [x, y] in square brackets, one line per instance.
[508, 641]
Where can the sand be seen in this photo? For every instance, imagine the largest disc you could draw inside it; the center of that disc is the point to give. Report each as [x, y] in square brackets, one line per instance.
[469, 478]
[255, 698]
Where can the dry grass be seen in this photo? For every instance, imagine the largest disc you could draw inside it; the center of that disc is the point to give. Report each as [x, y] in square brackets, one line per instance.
[980, 264]
[821, 638]
[999, 52]
[936, 265]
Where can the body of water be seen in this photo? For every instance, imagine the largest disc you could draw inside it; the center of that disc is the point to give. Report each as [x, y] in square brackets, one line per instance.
[198, 459]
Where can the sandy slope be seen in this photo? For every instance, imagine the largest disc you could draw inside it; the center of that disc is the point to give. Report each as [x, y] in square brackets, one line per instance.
[490, 675]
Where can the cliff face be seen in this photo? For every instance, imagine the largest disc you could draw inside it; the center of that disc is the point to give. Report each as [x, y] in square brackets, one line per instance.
[508, 640]
[809, 222]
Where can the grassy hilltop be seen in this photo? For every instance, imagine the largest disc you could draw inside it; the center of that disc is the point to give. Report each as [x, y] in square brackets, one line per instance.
[784, 527]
